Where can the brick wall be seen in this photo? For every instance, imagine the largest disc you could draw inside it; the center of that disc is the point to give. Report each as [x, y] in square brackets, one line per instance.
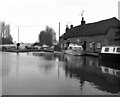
[94, 43]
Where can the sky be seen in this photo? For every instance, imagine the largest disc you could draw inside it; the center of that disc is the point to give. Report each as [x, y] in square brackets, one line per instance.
[32, 16]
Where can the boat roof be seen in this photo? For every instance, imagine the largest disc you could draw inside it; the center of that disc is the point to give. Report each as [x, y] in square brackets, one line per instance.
[112, 46]
[74, 45]
[44, 46]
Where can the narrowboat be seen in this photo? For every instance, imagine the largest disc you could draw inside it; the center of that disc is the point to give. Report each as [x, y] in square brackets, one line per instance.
[74, 49]
[110, 53]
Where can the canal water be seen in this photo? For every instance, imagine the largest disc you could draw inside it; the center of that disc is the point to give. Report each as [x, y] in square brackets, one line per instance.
[58, 74]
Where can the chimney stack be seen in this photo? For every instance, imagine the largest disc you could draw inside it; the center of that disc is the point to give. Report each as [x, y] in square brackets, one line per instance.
[82, 22]
[71, 26]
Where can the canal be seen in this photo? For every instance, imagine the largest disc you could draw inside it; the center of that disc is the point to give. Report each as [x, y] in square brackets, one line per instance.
[58, 74]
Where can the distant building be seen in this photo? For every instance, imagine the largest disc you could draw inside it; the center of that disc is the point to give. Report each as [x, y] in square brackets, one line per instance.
[93, 35]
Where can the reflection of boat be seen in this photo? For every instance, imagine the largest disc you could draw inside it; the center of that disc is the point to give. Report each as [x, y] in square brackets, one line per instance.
[49, 56]
[46, 48]
[110, 53]
[110, 64]
[77, 60]
[110, 71]
[105, 79]
[74, 49]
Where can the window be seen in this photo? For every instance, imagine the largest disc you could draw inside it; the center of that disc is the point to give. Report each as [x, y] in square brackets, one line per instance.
[113, 49]
[118, 49]
[106, 49]
[98, 45]
[91, 45]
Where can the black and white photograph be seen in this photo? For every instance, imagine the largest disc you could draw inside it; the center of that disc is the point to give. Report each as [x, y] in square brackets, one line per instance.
[60, 47]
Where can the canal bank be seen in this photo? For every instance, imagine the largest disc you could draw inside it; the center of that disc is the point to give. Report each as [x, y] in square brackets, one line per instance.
[95, 54]
[87, 53]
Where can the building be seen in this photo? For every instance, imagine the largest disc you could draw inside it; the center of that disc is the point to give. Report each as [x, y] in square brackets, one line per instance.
[93, 35]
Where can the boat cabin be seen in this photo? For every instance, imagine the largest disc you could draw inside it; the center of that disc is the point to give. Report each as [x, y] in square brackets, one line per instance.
[75, 47]
[111, 49]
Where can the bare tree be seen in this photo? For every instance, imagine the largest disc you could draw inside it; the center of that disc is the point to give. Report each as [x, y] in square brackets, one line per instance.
[5, 36]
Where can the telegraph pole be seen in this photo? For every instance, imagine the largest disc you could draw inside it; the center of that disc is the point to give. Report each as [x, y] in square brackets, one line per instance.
[59, 31]
[18, 34]
[18, 44]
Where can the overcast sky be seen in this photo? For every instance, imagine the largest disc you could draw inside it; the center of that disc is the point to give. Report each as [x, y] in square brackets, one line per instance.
[33, 15]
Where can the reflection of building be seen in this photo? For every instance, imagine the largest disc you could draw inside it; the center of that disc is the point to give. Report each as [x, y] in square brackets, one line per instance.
[93, 35]
[105, 79]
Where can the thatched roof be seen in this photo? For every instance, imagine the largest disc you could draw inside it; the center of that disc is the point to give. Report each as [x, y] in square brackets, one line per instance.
[92, 29]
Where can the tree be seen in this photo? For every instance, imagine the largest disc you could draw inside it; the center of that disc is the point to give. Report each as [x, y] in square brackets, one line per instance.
[5, 36]
[47, 36]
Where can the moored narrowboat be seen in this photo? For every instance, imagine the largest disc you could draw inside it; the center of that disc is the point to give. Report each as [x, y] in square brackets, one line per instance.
[110, 53]
[74, 49]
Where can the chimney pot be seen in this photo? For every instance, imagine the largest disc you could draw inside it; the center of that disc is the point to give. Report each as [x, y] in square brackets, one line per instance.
[71, 26]
[82, 22]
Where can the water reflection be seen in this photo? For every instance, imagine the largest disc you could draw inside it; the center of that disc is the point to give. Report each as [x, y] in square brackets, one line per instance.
[6, 60]
[92, 70]
[49, 73]
[103, 78]
[110, 64]
[50, 56]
